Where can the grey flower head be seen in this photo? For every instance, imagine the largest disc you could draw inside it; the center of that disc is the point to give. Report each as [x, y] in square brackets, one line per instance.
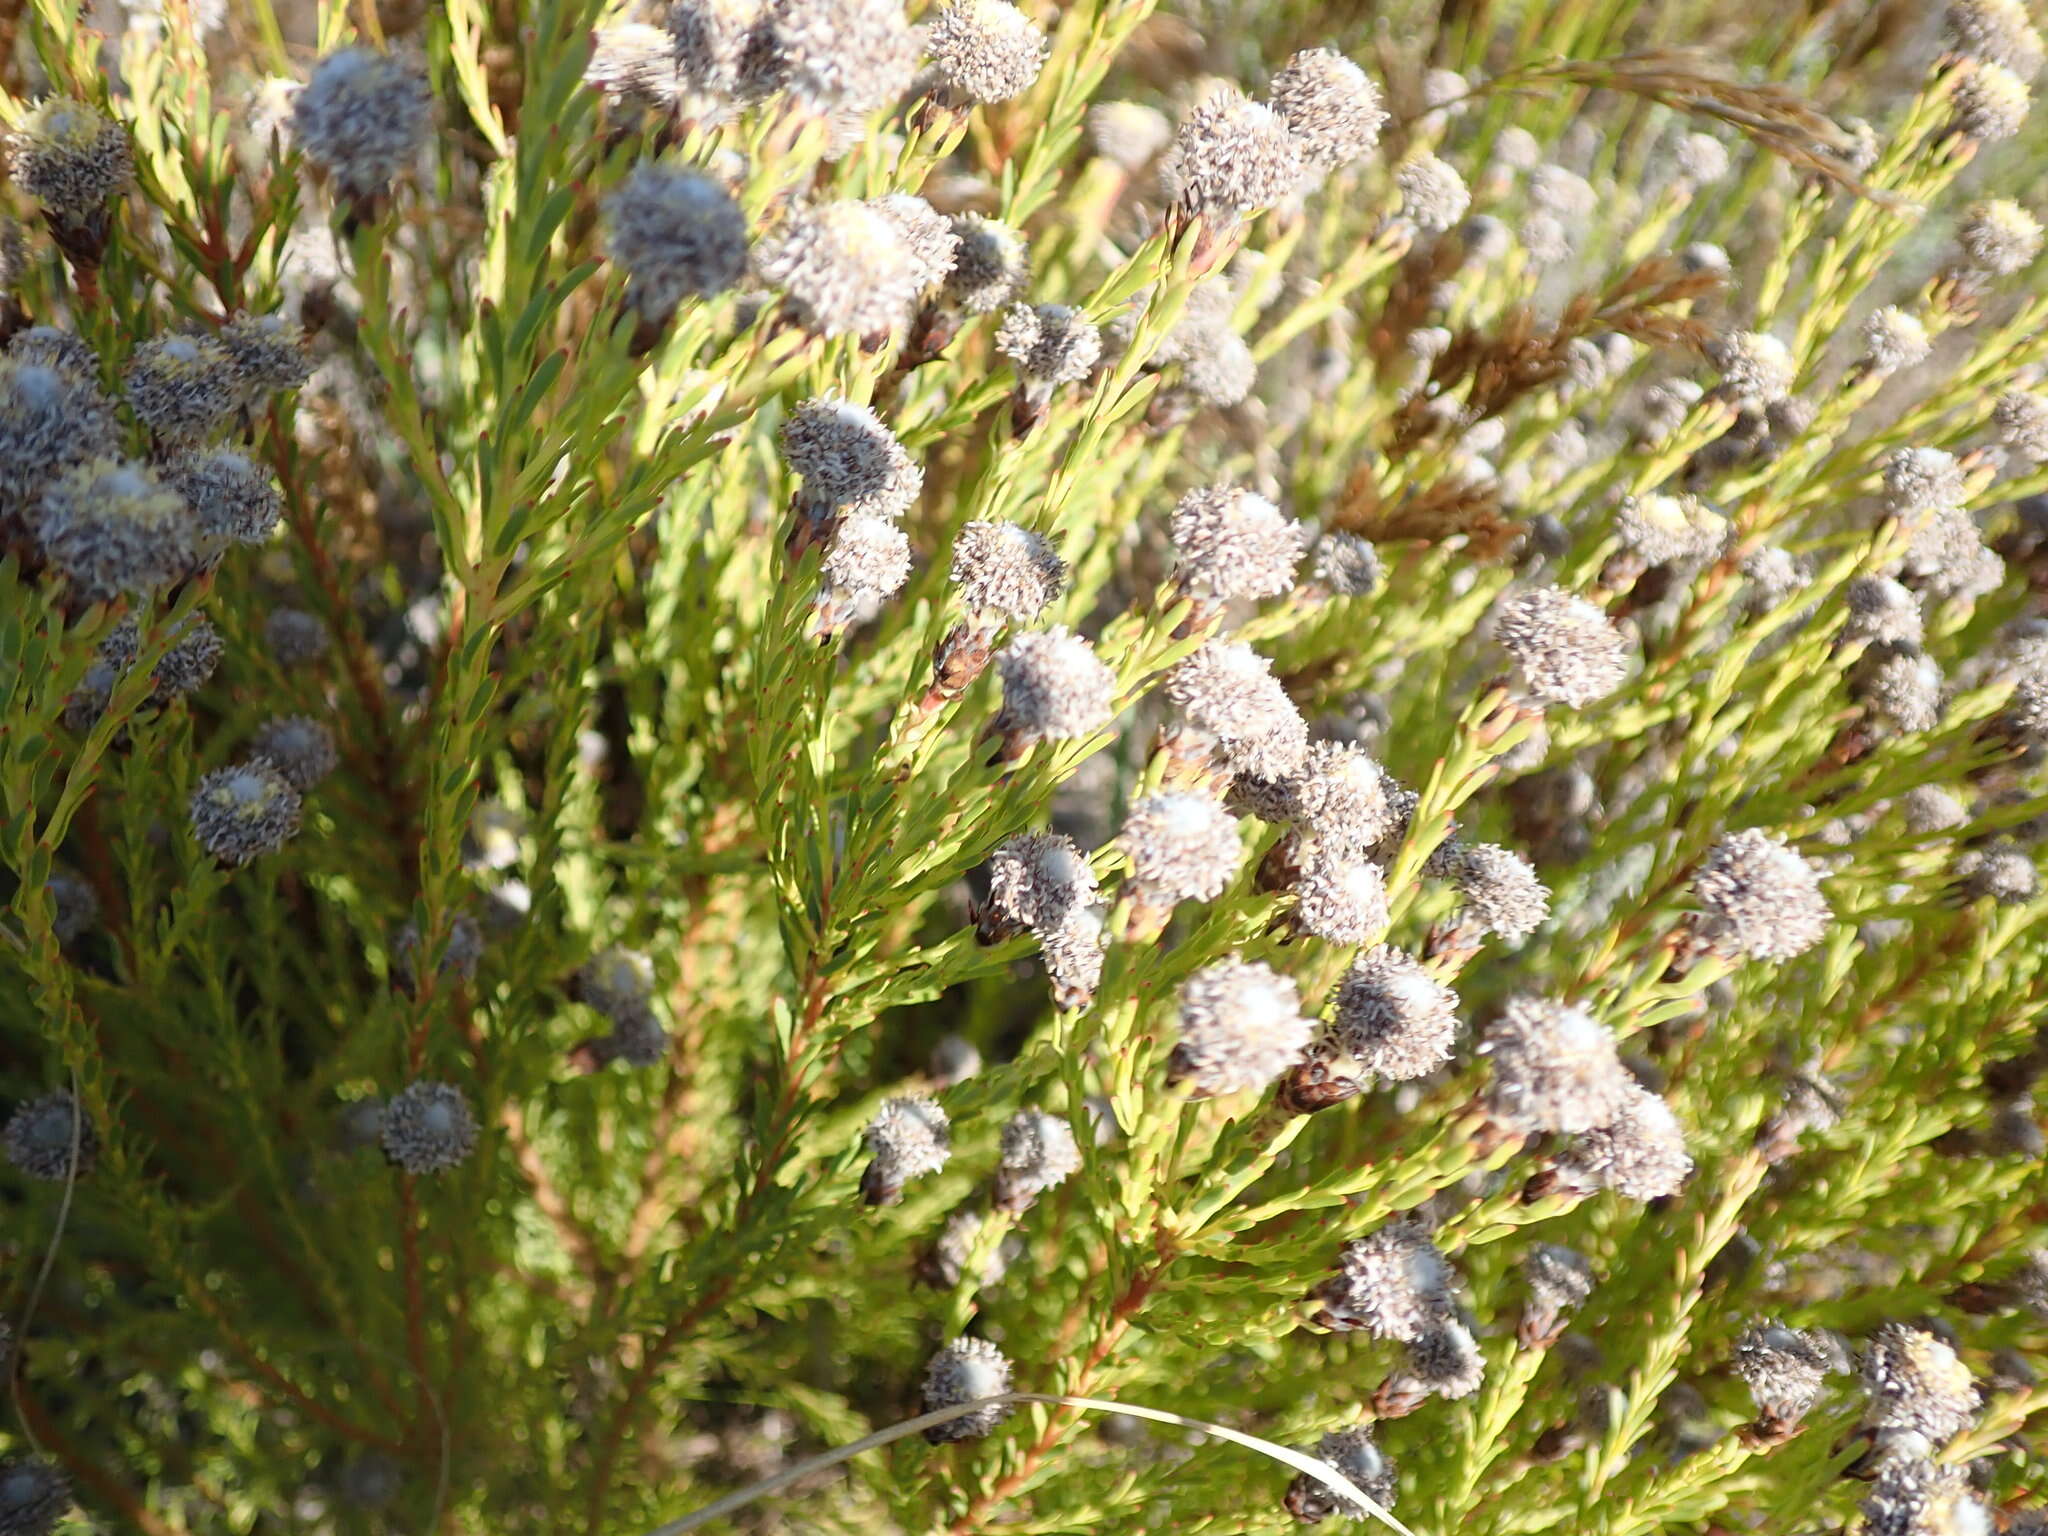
[1554, 1068]
[1339, 898]
[1898, 684]
[52, 419]
[616, 982]
[1182, 847]
[635, 64]
[298, 746]
[1233, 543]
[1784, 1369]
[869, 559]
[1038, 1153]
[1443, 1361]
[1346, 565]
[70, 159]
[2021, 417]
[1760, 898]
[1329, 105]
[1049, 344]
[1880, 610]
[1128, 134]
[1217, 367]
[1565, 650]
[926, 234]
[1501, 892]
[34, 1494]
[1240, 1027]
[712, 41]
[1228, 690]
[112, 527]
[947, 1260]
[832, 56]
[1393, 1285]
[1701, 158]
[459, 955]
[362, 118]
[1918, 1385]
[1930, 808]
[1991, 103]
[1999, 31]
[2002, 871]
[1233, 156]
[988, 50]
[1343, 797]
[1035, 880]
[1055, 687]
[1914, 1497]
[1073, 954]
[1670, 530]
[1005, 571]
[75, 908]
[677, 234]
[1920, 480]
[1639, 1153]
[244, 811]
[182, 388]
[1894, 340]
[42, 1135]
[991, 264]
[45, 346]
[1756, 367]
[844, 269]
[184, 667]
[428, 1128]
[232, 501]
[963, 1372]
[908, 1138]
[269, 355]
[1433, 194]
[1356, 1456]
[1559, 1278]
[849, 459]
[1393, 1018]
[294, 637]
[1999, 238]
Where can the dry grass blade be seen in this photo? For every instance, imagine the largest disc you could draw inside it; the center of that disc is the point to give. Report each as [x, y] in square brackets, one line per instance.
[1298, 1460]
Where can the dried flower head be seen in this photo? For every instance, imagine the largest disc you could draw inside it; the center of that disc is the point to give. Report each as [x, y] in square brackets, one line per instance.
[831, 56]
[1880, 610]
[244, 811]
[1330, 106]
[298, 746]
[294, 637]
[182, 388]
[49, 1137]
[926, 234]
[1920, 480]
[34, 1494]
[44, 346]
[1393, 1018]
[1912, 1497]
[269, 355]
[991, 264]
[1894, 340]
[1784, 1369]
[1227, 690]
[1050, 344]
[362, 118]
[849, 459]
[232, 501]
[1234, 544]
[1233, 156]
[52, 419]
[1073, 954]
[988, 50]
[1356, 1457]
[70, 159]
[1999, 237]
[843, 267]
[1035, 880]
[1393, 1285]
[1759, 898]
[1565, 650]
[1339, 898]
[908, 1138]
[1433, 194]
[1441, 1361]
[1343, 797]
[1670, 530]
[2021, 420]
[678, 235]
[1640, 1152]
[635, 65]
[1038, 1152]
[1999, 31]
[1756, 368]
[1182, 847]
[1918, 1386]
[964, 1372]
[1500, 890]
[713, 40]
[1899, 685]
[1554, 1068]
[1559, 1281]
[1004, 571]
[112, 527]
[868, 561]
[1240, 1027]
[428, 1128]
[1991, 103]
[2003, 871]
[1055, 687]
